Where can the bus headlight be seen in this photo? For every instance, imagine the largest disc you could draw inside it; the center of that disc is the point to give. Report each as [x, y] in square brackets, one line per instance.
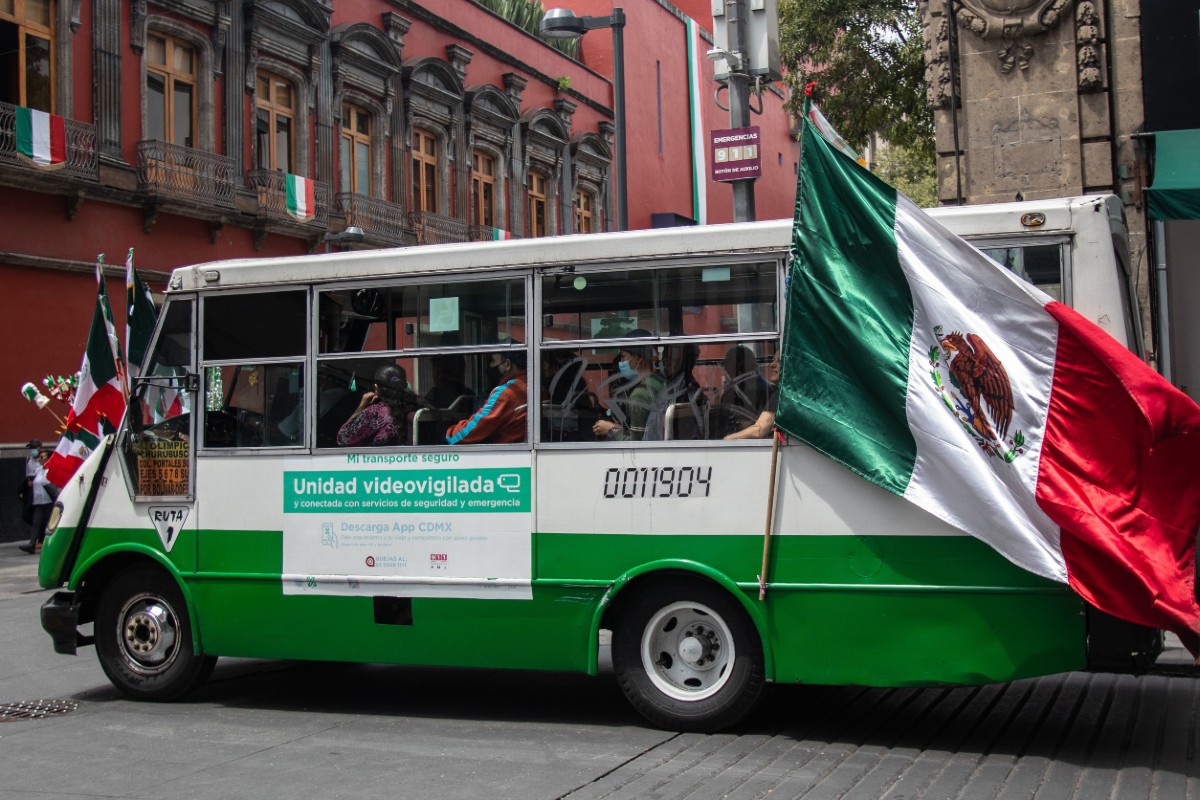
[55, 517]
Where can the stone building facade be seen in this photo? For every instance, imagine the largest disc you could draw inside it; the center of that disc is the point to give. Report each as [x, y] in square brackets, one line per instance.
[1040, 98]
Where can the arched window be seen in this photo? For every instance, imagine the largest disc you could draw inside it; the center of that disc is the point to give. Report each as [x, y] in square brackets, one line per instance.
[483, 189]
[26, 53]
[170, 90]
[356, 157]
[537, 204]
[424, 171]
[275, 120]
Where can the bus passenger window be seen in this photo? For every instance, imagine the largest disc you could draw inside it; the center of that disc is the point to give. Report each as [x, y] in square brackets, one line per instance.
[254, 405]
[679, 385]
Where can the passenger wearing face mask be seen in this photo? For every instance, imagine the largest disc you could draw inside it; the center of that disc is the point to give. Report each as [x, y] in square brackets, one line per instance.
[637, 415]
[501, 419]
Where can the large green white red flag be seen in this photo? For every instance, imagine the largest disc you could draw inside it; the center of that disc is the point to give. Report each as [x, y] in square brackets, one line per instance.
[99, 397]
[924, 366]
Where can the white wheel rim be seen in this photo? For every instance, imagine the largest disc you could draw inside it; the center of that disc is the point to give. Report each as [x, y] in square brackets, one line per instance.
[148, 634]
[687, 651]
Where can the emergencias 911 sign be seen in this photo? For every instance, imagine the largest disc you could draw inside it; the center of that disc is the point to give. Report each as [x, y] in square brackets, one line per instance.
[735, 154]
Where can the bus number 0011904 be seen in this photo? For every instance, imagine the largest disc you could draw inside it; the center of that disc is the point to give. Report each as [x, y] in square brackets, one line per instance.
[657, 482]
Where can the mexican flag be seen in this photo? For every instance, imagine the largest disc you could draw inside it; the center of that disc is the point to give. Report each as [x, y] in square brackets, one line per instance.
[99, 398]
[930, 370]
[499, 235]
[301, 203]
[41, 137]
[139, 320]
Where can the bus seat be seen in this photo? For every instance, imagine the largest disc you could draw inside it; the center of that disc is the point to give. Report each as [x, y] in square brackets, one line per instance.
[466, 402]
[561, 424]
[429, 424]
[683, 421]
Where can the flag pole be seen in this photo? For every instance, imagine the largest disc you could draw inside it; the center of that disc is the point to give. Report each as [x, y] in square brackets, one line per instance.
[762, 576]
[113, 341]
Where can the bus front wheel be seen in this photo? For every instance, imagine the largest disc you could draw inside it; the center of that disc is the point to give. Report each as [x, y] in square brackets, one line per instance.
[144, 637]
[688, 657]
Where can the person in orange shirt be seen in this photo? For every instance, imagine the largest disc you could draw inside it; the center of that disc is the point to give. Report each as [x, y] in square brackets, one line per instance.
[501, 419]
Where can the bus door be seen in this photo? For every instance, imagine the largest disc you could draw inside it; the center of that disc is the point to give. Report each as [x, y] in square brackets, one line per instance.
[157, 448]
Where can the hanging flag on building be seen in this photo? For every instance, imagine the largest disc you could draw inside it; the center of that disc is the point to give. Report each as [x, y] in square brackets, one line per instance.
[925, 367]
[500, 235]
[41, 138]
[99, 397]
[301, 202]
[139, 320]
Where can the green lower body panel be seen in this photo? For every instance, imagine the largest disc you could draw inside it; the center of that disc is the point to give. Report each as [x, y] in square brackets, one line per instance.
[872, 610]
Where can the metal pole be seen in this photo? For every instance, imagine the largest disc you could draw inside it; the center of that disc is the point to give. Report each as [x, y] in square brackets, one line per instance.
[739, 101]
[618, 34]
[1164, 355]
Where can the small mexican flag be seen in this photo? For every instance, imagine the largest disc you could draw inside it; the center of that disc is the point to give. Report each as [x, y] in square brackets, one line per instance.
[499, 235]
[300, 198]
[100, 397]
[41, 138]
[930, 370]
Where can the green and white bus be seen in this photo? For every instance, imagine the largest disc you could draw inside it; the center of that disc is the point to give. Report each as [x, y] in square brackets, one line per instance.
[225, 519]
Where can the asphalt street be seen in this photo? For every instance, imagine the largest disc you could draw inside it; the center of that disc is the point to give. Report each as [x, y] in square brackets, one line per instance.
[263, 729]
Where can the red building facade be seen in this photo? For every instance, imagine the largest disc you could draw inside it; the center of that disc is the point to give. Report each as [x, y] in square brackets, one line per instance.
[418, 122]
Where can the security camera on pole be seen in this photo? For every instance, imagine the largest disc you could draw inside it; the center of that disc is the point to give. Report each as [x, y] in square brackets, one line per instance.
[746, 34]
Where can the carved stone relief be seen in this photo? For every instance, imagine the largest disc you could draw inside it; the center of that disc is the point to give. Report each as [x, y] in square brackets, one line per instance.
[1013, 21]
[940, 89]
[1087, 40]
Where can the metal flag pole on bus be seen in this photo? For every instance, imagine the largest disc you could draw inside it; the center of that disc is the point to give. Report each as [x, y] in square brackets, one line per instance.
[100, 396]
[919, 363]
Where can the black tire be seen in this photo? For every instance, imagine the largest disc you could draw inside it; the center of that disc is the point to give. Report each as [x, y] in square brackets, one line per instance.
[144, 637]
[688, 657]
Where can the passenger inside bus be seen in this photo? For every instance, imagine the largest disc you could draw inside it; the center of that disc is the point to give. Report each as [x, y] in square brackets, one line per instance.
[501, 419]
[745, 393]
[636, 404]
[382, 415]
[762, 427]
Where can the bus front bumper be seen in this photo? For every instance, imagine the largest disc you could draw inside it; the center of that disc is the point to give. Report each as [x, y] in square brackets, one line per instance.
[60, 619]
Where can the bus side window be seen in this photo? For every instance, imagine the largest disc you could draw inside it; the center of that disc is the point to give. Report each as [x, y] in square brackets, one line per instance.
[253, 378]
[661, 336]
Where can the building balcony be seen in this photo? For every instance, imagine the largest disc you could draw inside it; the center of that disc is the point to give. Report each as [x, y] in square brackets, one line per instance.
[433, 228]
[273, 215]
[382, 223]
[182, 180]
[81, 164]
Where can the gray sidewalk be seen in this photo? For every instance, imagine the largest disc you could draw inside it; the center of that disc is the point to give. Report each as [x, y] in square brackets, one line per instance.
[18, 570]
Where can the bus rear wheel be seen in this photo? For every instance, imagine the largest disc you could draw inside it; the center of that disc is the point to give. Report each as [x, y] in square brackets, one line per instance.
[688, 657]
[144, 637]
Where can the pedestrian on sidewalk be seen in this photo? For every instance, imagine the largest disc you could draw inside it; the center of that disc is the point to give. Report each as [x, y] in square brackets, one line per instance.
[41, 499]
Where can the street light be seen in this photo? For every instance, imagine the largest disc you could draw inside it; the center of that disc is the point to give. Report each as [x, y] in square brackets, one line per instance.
[562, 23]
[351, 234]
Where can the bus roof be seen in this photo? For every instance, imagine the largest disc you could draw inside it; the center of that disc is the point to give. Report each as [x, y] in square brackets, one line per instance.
[769, 236]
